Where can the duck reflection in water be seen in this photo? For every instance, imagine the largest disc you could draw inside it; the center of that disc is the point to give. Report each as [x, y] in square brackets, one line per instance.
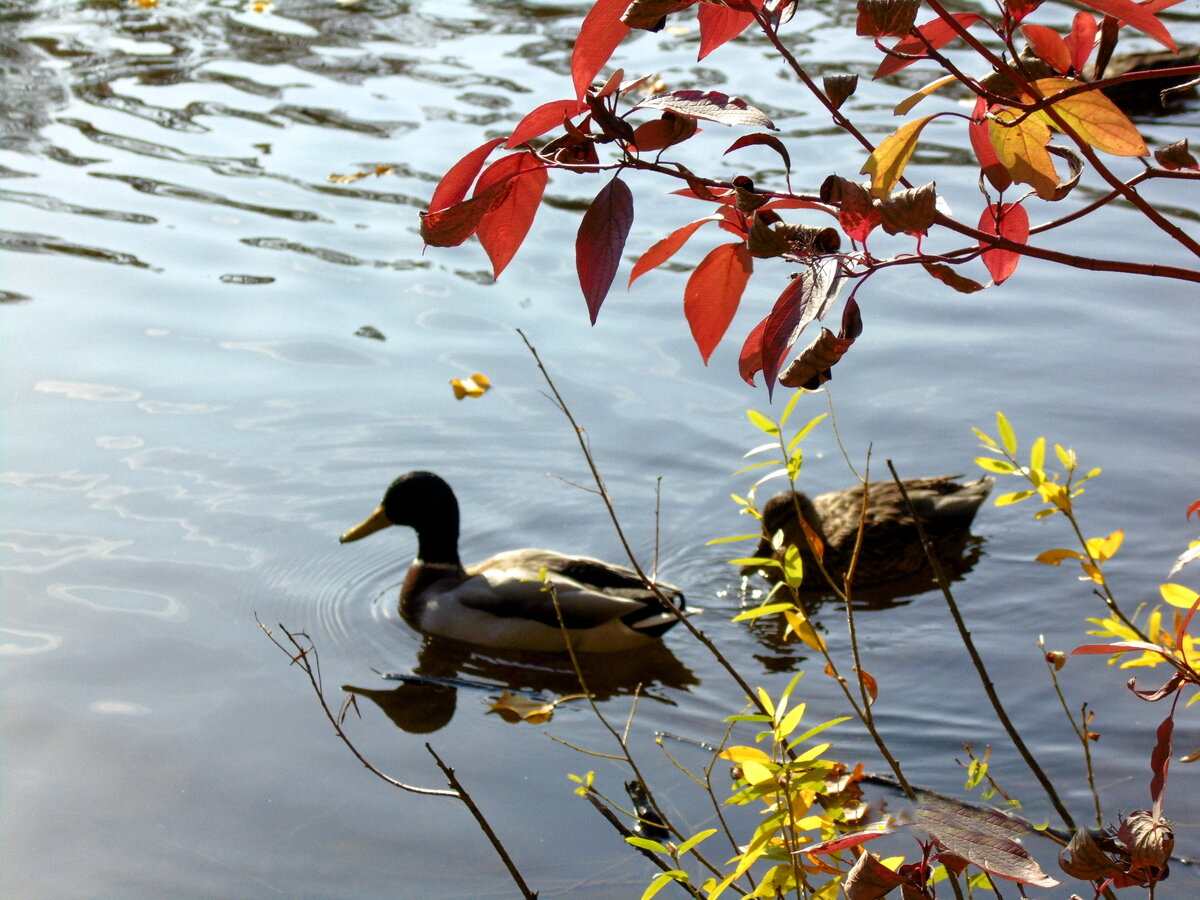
[426, 700]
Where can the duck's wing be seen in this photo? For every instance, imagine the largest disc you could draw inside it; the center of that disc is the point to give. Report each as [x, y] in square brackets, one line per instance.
[589, 592]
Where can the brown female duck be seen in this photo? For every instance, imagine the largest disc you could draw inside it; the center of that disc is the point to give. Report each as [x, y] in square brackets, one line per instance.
[891, 548]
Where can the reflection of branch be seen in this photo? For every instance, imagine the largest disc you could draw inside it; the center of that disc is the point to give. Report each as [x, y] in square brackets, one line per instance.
[305, 656]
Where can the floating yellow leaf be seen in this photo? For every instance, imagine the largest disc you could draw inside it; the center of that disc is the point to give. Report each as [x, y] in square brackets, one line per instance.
[1020, 145]
[1093, 117]
[144, 4]
[474, 386]
[886, 164]
[259, 6]
[514, 707]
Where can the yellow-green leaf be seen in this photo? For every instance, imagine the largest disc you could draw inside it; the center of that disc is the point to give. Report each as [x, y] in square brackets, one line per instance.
[769, 609]
[995, 465]
[761, 422]
[1037, 454]
[1020, 145]
[1178, 595]
[1055, 557]
[1007, 435]
[1093, 117]
[661, 880]
[695, 839]
[645, 843]
[984, 437]
[1066, 457]
[790, 721]
[1015, 497]
[729, 540]
[787, 410]
[886, 164]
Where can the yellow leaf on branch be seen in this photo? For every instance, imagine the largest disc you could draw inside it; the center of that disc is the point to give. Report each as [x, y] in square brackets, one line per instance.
[1093, 117]
[1020, 145]
[1103, 548]
[886, 164]
[474, 386]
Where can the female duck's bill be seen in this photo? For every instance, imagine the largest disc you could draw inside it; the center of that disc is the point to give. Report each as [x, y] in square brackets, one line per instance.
[521, 599]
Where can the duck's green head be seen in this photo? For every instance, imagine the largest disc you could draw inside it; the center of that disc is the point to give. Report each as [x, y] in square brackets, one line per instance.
[420, 500]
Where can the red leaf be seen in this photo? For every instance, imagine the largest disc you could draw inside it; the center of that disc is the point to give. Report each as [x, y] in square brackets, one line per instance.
[1009, 221]
[719, 25]
[601, 32]
[542, 119]
[713, 292]
[454, 184]
[750, 359]
[601, 240]
[1194, 508]
[1160, 759]
[985, 151]
[1081, 39]
[1140, 17]
[663, 250]
[503, 228]
[846, 841]
[767, 139]
[783, 326]
[451, 226]
[937, 32]
[1049, 46]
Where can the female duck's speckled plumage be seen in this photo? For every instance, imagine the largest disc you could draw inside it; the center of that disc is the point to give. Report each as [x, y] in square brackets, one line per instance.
[891, 548]
[503, 601]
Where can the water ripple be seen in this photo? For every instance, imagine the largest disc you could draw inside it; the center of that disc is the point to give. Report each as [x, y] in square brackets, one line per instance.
[53, 204]
[25, 242]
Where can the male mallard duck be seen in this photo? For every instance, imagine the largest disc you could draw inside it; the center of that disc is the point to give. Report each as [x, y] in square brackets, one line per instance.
[502, 601]
[891, 548]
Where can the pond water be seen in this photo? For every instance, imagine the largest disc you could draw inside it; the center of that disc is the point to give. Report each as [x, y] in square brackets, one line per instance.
[192, 417]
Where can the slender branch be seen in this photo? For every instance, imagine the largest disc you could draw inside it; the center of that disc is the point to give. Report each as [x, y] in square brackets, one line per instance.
[988, 687]
[306, 657]
[462, 794]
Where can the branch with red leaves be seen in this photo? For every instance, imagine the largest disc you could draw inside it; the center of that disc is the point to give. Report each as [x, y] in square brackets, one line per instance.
[1022, 98]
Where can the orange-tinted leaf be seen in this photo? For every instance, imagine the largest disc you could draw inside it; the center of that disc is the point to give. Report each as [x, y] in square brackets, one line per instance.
[663, 132]
[1009, 221]
[542, 119]
[601, 32]
[1082, 39]
[886, 164]
[458, 180]
[1130, 13]
[1049, 46]
[719, 25]
[503, 228]
[858, 212]
[601, 240]
[981, 143]
[1094, 118]
[937, 32]
[947, 275]
[663, 250]
[1021, 149]
[713, 292]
